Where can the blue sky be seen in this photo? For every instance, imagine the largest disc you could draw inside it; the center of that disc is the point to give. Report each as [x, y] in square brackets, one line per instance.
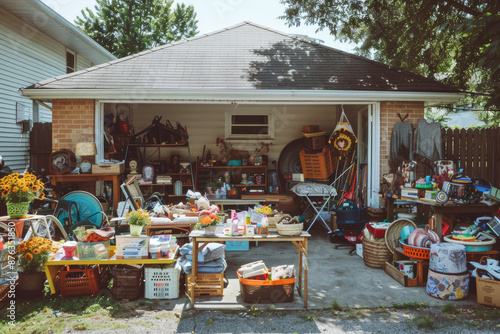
[213, 15]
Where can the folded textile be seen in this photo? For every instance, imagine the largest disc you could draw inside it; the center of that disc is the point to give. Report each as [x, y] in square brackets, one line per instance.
[210, 252]
[211, 267]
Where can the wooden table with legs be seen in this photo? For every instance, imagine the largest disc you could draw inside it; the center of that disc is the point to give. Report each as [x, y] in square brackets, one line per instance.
[449, 209]
[299, 241]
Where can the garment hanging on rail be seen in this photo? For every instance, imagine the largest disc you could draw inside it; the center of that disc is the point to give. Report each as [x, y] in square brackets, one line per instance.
[428, 139]
[402, 141]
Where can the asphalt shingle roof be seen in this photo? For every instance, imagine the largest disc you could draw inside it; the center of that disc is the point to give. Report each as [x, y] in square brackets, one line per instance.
[245, 56]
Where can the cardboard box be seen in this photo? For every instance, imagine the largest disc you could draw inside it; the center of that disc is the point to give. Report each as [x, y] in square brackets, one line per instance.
[488, 291]
[430, 195]
[409, 193]
[108, 168]
[132, 247]
[310, 128]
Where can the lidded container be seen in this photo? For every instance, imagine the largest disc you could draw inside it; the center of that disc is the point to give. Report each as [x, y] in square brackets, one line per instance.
[448, 258]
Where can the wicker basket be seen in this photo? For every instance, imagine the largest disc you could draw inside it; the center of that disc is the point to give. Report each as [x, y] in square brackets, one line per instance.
[376, 254]
[289, 229]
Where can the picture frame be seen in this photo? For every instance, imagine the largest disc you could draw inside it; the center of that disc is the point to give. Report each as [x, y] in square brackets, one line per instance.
[148, 173]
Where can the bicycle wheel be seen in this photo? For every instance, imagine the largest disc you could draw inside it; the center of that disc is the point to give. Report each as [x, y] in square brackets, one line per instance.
[57, 228]
[87, 207]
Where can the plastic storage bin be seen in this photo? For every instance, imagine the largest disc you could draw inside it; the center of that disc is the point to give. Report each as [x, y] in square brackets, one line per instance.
[319, 165]
[77, 282]
[278, 291]
[237, 245]
[161, 283]
[128, 282]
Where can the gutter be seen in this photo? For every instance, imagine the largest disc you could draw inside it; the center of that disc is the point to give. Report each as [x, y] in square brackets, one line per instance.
[282, 96]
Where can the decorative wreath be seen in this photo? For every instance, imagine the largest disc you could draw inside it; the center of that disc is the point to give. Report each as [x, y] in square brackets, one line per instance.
[343, 142]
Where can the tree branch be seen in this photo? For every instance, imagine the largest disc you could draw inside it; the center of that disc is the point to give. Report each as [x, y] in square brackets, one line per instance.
[463, 7]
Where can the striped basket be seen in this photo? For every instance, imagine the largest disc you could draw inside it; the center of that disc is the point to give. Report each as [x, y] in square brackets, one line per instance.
[376, 254]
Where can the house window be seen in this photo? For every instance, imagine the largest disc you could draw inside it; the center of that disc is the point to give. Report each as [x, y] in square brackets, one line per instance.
[70, 62]
[249, 126]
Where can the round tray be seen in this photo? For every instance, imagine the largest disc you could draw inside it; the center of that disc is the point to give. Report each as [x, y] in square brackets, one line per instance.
[474, 246]
[393, 233]
[416, 252]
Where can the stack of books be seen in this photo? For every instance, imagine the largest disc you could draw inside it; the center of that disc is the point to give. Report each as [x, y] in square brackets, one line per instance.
[164, 179]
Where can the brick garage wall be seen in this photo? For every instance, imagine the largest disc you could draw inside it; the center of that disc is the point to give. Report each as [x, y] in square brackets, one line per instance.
[73, 121]
[388, 116]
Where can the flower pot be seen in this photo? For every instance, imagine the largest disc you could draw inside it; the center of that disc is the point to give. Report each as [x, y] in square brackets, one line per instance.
[31, 284]
[135, 230]
[18, 210]
[209, 230]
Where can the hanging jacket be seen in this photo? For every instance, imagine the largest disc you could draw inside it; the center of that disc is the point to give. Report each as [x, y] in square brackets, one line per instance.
[402, 138]
[428, 139]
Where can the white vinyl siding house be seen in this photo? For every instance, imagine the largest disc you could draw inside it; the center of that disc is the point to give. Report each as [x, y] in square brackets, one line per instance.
[27, 55]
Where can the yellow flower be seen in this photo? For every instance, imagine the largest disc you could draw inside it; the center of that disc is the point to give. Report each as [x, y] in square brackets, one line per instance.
[25, 189]
[37, 251]
[28, 256]
[15, 189]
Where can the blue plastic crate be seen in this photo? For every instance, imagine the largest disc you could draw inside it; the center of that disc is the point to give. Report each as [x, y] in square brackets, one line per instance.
[237, 245]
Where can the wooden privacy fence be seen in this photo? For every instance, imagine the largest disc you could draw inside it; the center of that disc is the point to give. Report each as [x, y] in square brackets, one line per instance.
[40, 146]
[476, 151]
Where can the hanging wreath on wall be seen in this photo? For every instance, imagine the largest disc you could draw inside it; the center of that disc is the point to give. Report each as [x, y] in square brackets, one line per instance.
[343, 139]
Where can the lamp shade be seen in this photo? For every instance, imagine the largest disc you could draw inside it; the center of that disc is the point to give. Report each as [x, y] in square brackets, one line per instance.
[85, 149]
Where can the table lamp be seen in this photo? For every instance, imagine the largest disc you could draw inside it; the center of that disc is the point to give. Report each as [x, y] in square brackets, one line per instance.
[85, 150]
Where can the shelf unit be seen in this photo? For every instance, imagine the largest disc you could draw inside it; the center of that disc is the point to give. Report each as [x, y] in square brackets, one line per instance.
[213, 173]
[187, 178]
[168, 190]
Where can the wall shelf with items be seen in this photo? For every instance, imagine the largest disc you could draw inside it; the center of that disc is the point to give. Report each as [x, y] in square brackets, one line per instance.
[168, 190]
[256, 176]
[161, 137]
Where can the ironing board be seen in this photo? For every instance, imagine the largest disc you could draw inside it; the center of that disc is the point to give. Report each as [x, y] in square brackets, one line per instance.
[327, 193]
[308, 191]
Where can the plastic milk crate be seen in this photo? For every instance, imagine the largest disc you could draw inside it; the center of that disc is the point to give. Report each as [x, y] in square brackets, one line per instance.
[237, 245]
[161, 283]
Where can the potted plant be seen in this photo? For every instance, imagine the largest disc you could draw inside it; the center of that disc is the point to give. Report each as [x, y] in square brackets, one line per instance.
[32, 255]
[18, 191]
[208, 223]
[137, 220]
[225, 149]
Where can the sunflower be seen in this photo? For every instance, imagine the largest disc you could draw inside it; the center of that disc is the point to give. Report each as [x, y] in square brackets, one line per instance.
[15, 189]
[37, 251]
[28, 256]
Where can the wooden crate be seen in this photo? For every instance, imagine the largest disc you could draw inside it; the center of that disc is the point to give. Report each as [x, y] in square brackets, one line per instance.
[206, 285]
[399, 276]
[318, 165]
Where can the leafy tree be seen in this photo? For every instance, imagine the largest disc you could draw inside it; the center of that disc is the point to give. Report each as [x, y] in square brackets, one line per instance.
[125, 27]
[455, 41]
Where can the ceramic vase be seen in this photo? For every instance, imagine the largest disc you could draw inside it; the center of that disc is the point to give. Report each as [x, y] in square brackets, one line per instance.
[136, 230]
[18, 210]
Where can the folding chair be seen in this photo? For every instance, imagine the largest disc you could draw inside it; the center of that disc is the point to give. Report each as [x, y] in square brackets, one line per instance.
[134, 197]
[319, 198]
